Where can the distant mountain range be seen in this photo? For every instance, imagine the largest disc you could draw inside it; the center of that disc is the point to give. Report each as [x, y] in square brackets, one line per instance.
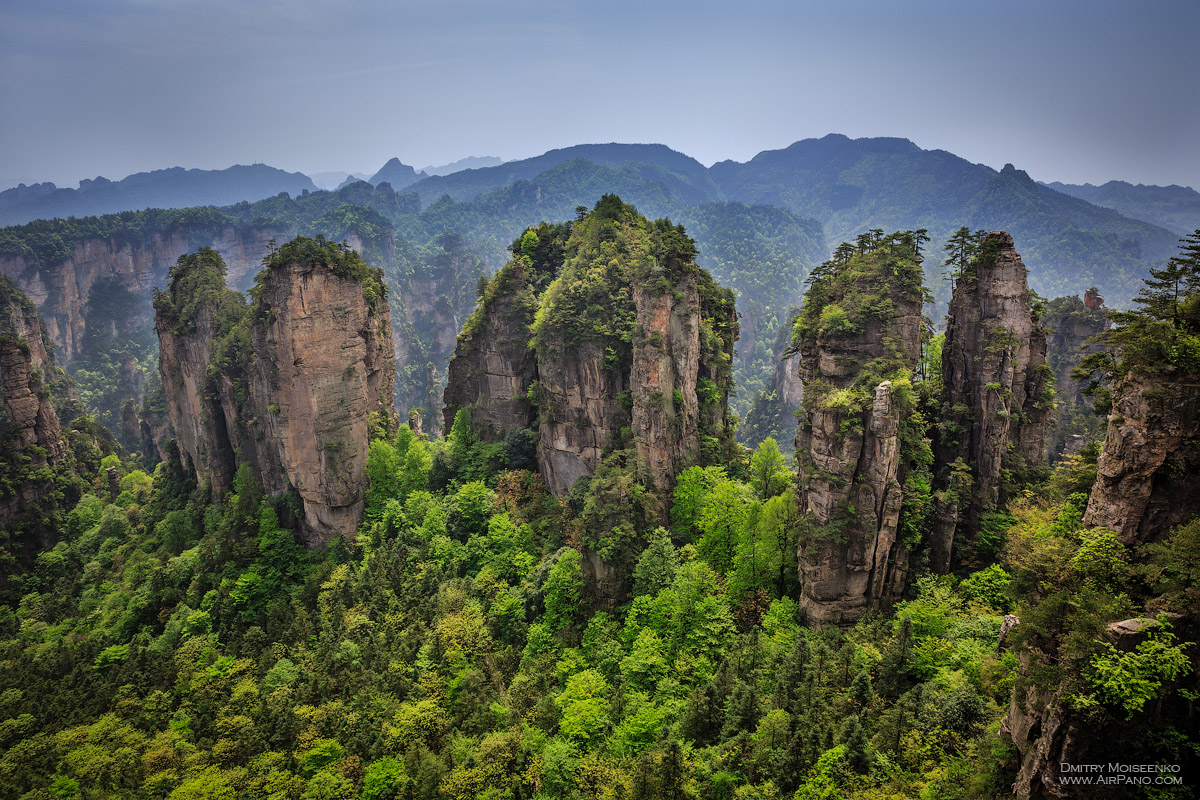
[1176, 208]
[471, 162]
[760, 226]
[165, 188]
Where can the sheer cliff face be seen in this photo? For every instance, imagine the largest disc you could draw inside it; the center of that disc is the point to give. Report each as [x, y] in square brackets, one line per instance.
[1148, 479]
[616, 336]
[62, 290]
[184, 355]
[287, 385]
[646, 365]
[1070, 323]
[324, 363]
[586, 404]
[493, 366]
[24, 365]
[581, 413]
[862, 323]
[997, 391]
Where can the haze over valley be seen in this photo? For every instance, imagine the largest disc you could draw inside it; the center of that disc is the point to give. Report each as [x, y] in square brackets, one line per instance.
[543, 400]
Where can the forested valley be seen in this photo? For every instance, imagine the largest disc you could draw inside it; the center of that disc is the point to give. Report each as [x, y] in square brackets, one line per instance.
[332, 514]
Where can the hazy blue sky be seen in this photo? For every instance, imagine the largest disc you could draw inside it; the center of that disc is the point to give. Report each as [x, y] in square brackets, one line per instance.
[1072, 91]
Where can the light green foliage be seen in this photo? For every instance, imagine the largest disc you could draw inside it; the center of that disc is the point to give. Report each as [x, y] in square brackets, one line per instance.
[988, 586]
[646, 664]
[328, 785]
[1101, 557]
[584, 706]
[415, 474]
[473, 507]
[722, 523]
[208, 784]
[382, 779]
[461, 438]
[561, 592]
[1131, 679]
[383, 477]
[768, 473]
[657, 565]
[691, 492]
[833, 321]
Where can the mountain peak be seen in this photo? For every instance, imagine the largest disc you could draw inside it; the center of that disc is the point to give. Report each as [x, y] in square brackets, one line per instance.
[396, 173]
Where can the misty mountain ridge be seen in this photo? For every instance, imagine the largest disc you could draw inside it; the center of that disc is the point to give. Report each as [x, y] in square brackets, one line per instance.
[175, 187]
[1174, 207]
[469, 184]
[395, 173]
[846, 185]
[470, 162]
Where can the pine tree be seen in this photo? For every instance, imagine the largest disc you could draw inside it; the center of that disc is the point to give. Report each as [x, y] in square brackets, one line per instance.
[1167, 290]
[858, 750]
[962, 246]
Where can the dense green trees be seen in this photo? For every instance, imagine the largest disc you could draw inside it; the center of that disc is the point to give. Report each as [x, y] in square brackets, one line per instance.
[470, 643]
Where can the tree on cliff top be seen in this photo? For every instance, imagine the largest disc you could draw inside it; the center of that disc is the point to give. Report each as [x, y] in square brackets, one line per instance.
[1163, 336]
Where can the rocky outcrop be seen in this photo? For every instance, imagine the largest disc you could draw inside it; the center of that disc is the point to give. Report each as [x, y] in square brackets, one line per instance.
[191, 319]
[493, 365]
[1045, 736]
[997, 391]
[1070, 323]
[1050, 734]
[580, 412]
[323, 364]
[288, 384]
[62, 289]
[436, 294]
[617, 337]
[41, 478]
[1148, 478]
[25, 364]
[862, 322]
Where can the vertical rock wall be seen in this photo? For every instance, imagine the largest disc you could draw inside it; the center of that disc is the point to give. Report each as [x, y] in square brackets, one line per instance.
[493, 365]
[184, 356]
[997, 392]
[25, 368]
[62, 290]
[1148, 479]
[848, 445]
[323, 363]
[287, 385]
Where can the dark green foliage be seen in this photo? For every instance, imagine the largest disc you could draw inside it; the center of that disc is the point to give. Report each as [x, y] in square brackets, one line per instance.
[1162, 336]
[337, 257]
[851, 186]
[465, 644]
